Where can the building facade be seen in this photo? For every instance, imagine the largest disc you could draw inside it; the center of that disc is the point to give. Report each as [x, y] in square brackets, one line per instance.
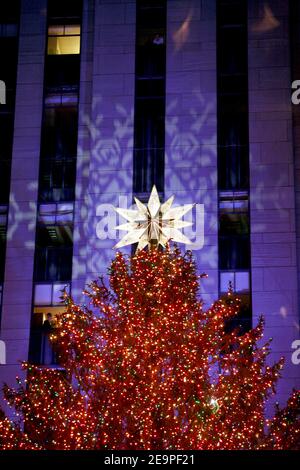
[105, 98]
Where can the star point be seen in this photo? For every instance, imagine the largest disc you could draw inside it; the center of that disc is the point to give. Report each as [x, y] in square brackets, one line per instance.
[153, 224]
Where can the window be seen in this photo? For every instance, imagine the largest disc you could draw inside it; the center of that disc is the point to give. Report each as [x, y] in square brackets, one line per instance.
[8, 30]
[59, 148]
[149, 132]
[47, 305]
[57, 179]
[62, 73]
[6, 134]
[49, 294]
[63, 39]
[149, 145]
[5, 167]
[64, 99]
[3, 215]
[3, 229]
[1, 292]
[234, 252]
[239, 281]
[54, 234]
[56, 214]
[53, 263]
[233, 213]
[58, 9]
[233, 139]
[8, 54]
[54, 243]
[233, 155]
[9, 57]
[59, 134]
[234, 243]
[9, 12]
[232, 56]
[9, 19]
[233, 160]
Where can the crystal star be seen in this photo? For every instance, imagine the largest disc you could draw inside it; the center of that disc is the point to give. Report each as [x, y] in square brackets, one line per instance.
[153, 224]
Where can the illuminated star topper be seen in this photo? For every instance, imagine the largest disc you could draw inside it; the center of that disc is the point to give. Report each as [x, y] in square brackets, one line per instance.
[153, 224]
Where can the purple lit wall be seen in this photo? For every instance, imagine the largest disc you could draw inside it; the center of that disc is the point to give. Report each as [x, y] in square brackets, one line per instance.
[17, 293]
[272, 196]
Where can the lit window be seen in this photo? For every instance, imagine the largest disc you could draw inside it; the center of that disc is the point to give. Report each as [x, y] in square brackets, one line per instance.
[56, 214]
[234, 201]
[64, 40]
[65, 99]
[49, 294]
[47, 308]
[239, 281]
[43, 294]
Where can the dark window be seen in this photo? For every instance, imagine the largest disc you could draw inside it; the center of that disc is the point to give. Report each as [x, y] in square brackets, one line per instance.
[149, 145]
[58, 152]
[3, 227]
[232, 12]
[59, 135]
[62, 73]
[53, 263]
[233, 154]
[3, 230]
[9, 23]
[5, 169]
[69, 9]
[6, 134]
[9, 12]
[57, 179]
[54, 250]
[232, 58]
[6, 141]
[242, 322]
[9, 57]
[149, 132]
[234, 252]
[233, 139]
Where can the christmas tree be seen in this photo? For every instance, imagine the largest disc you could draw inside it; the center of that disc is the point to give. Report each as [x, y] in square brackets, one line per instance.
[144, 366]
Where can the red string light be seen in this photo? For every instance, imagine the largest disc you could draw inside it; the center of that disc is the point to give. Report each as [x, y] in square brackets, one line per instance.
[145, 367]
